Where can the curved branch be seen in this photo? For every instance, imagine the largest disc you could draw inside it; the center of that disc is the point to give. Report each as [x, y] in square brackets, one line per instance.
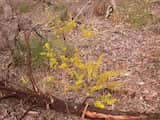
[77, 109]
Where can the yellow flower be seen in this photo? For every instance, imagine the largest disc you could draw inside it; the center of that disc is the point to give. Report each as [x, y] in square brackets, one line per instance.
[108, 100]
[61, 30]
[99, 62]
[53, 62]
[99, 104]
[64, 49]
[88, 94]
[43, 53]
[46, 45]
[63, 66]
[76, 50]
[71, 24]
[57, 36]
[108, 74]
[90, 69]
[24, 80]
[96, 88]
[70, 72]
[80, 66]
[59, 22]
[79, 78]
[87, 33]
[49, 54]
[50, 78]
[78, 82]
[63, 58]
[75, 60]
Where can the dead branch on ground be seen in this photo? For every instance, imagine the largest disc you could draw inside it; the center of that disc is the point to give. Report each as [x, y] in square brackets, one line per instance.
[77, 109]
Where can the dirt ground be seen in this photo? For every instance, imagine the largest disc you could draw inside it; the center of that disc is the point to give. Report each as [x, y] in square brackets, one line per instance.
[136, 51]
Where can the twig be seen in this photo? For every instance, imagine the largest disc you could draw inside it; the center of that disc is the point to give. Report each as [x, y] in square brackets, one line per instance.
[7, 97]
[29, 109]
[67, 108]
[84, 112]
[38, 34]
[81, 10]
[91, 112]
[29, 63]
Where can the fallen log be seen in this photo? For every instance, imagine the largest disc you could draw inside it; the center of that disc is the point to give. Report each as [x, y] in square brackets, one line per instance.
[93, 113]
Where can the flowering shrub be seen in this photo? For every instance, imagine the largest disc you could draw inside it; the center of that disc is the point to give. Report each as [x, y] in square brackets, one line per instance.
[84, 75]
[79, 75]
[61, 27]
[48, 53]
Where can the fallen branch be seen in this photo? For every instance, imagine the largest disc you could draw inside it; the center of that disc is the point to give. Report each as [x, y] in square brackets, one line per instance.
[26, 112]
[77, 109]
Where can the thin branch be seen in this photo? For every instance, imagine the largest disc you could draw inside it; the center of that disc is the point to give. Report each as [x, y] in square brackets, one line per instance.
[81, 10]
[77, 109]
[29, 62]
[7, 97]
[26, 112]
[39, 35]
[84, 112]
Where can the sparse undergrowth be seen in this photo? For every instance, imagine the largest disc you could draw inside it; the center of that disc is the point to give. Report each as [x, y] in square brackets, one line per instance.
[23, 7]
[69, 69]
[60, 70]
[136, 12]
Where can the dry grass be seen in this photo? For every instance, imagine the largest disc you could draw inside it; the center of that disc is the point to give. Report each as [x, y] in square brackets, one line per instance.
[136, 12]
[23, 7]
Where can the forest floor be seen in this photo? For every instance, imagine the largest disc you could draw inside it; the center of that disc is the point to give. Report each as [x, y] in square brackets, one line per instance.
[136, 51]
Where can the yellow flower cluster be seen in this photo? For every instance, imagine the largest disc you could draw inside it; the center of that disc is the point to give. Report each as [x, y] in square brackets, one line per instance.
[50, 55]
[50, 79]
[86, 75]
[87, 32]
[64, 26]
[24, 80]
[99, 104]
[105, 99]
[68, 26]
[89, 72]
[77, 62]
